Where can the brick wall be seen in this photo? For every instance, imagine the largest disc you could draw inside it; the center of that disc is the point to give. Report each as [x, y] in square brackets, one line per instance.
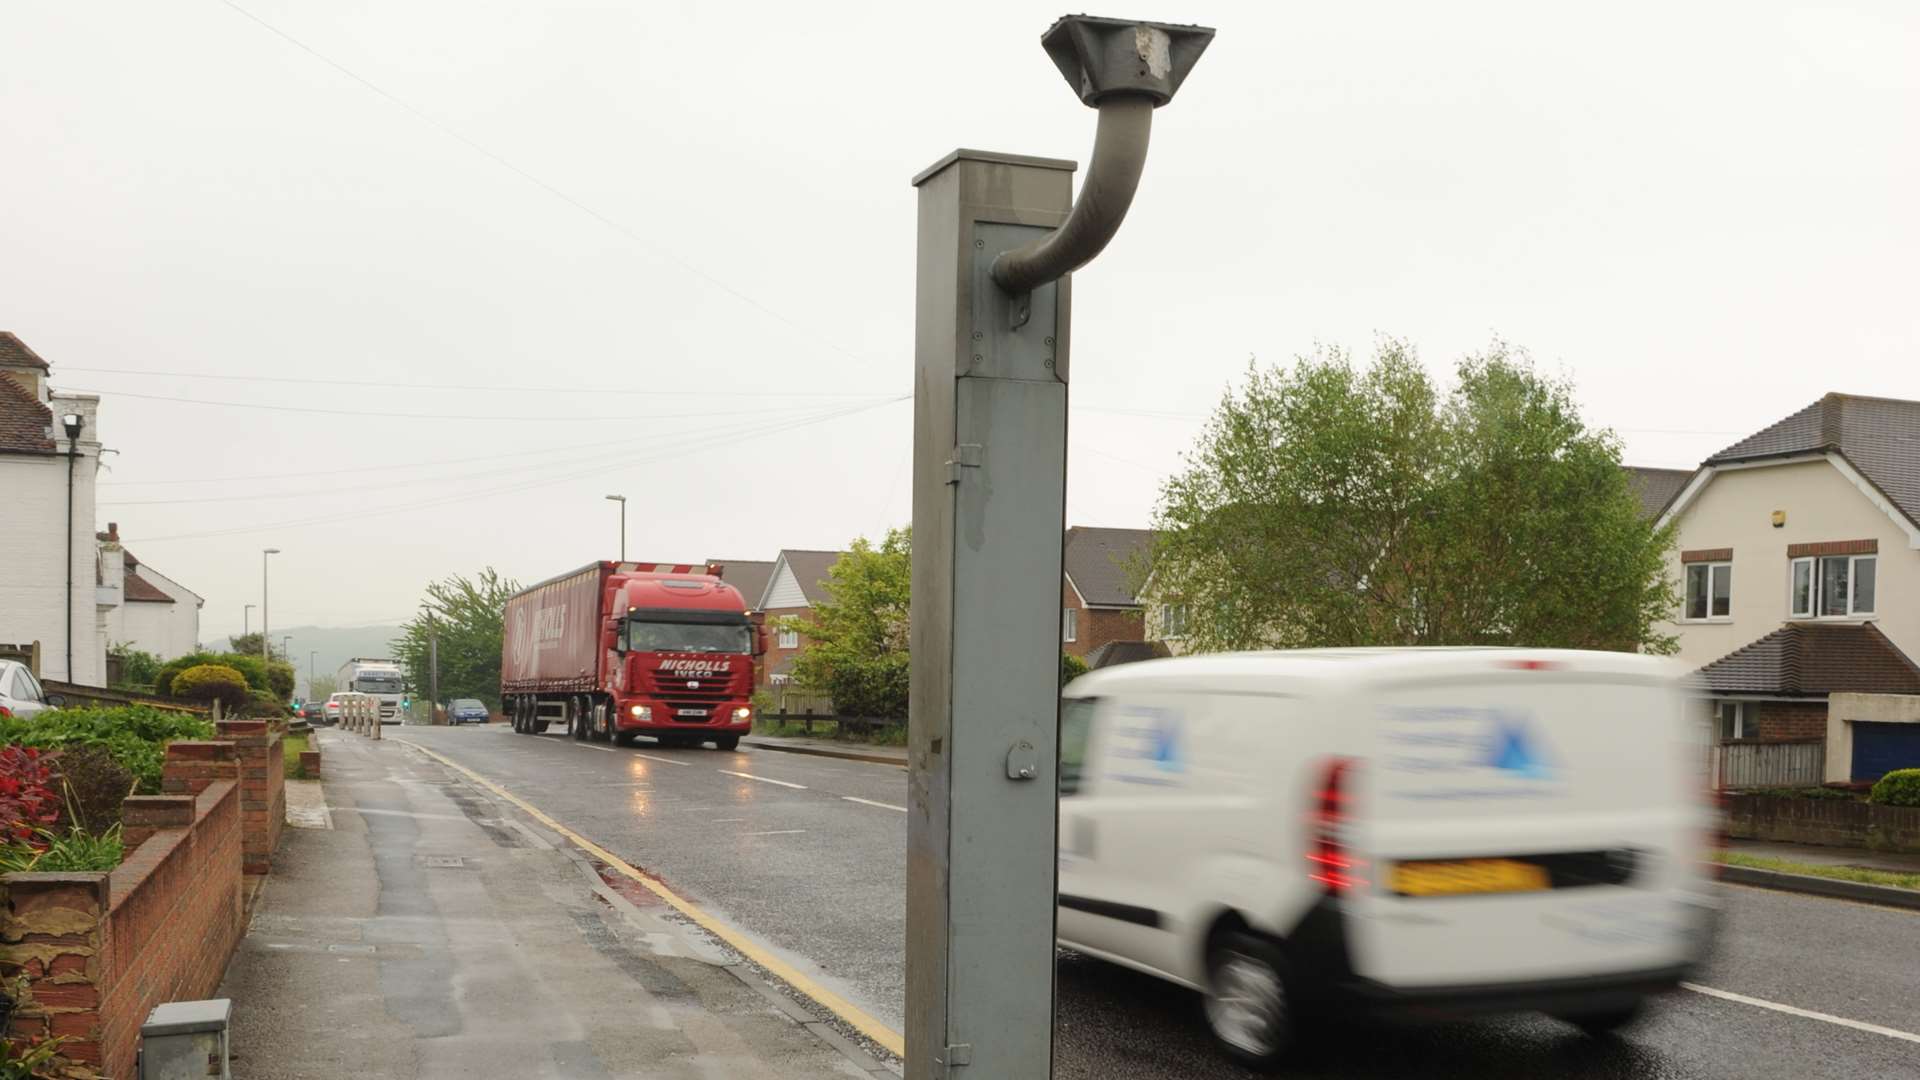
[101, 950]
[1100, 625]
[1824, 821]
[775, 654]
[1782, 721]
[263, 786]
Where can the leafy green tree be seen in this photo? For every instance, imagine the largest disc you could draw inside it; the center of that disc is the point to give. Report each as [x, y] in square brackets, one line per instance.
[857, 642]
[465, 613]
[1327, 504]
[249, 645]
[321, 687]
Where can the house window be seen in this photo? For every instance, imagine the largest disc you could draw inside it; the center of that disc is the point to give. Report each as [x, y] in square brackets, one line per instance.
[1069, 624]
[1737, 720]
[1173, 620]
[789, 638]
[1832, 586]
[1709, 590]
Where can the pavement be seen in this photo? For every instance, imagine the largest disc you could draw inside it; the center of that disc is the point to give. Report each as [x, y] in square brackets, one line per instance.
[830, 748]
[1891, 861]
[805, 855]
[416, 925]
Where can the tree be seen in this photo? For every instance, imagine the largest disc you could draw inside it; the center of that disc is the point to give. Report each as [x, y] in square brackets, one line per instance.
[321, 687]
[249, 645]
[465, 613]
[210, 683]
[138, 668]
[1327, 505]
[857, 642]
[247, 664]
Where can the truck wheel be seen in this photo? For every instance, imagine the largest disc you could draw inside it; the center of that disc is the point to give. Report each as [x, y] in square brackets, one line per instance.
[517, 714]
[577, 721]
[727, 742]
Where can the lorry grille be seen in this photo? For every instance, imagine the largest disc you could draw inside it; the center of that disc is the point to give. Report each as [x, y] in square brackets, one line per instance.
[678, 692]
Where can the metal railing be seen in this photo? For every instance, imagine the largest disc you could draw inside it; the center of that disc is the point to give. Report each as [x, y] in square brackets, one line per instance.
[1769, 764]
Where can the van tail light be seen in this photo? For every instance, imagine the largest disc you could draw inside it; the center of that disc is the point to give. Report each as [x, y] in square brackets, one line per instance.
[1329, 860]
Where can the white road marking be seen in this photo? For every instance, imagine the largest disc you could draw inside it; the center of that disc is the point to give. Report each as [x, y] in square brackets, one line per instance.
[661, 760]
[1826, 1018]
[762, 779]
[870, 802]
[775, 832]
[590, 746]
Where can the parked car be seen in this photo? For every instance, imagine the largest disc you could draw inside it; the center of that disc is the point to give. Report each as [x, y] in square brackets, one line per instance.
[21, 694]
[332, 709]
[468, 711]
[1435, 831]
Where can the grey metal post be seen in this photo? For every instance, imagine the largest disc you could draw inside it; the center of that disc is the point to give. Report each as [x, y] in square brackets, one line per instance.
[997, 233]
[433, 667]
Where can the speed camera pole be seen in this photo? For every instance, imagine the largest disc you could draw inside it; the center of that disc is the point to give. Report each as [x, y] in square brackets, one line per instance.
[998, 233]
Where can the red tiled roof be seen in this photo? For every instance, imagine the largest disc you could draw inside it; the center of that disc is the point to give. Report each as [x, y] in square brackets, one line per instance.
[140, 589]
[1815, 659]
[24, 422]
[15, 351]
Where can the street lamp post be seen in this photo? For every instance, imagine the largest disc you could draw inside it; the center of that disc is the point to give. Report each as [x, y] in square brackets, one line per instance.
[246, 620]
[622, 500]
[998, 233]
[266, 650]
[72, 422]
[285, 639]
[311, 653]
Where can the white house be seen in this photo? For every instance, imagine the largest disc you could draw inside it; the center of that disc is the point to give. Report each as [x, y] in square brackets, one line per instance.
[48, 590]
[155, 614]
[1798, 553]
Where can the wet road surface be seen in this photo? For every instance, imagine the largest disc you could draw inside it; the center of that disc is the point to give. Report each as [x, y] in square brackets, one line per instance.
[807, 856]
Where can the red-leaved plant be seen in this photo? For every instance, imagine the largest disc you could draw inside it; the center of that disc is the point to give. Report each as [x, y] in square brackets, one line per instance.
[29, 798]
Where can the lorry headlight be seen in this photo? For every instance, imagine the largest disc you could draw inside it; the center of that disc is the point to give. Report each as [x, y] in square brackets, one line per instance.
[742, 713]
[642, 712]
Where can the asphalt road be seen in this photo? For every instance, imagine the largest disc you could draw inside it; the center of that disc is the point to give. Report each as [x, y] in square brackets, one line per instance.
[806, 855]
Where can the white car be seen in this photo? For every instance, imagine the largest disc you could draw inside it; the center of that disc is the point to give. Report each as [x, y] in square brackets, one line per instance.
[1433, 831]
[20, 693]
[333, 708]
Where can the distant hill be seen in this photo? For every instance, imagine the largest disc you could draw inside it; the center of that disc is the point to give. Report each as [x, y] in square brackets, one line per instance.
[330, 647]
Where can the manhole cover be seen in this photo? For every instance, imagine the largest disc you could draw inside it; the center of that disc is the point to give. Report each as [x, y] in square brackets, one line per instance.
[443, 862]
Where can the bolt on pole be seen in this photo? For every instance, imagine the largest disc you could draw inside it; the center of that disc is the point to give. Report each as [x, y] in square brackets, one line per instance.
[998, 233]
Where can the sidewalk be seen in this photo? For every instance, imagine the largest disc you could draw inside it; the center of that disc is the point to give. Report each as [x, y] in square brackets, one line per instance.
[431, 931]
[1891, 861]
[834, 748]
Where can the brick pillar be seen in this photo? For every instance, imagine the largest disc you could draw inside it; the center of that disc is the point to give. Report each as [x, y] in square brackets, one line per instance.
[310, 764]
[143, 815]
[192, 764]
[52, 932]
[263, 797]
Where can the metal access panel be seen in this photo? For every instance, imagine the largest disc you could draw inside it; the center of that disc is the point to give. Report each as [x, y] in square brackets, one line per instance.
[186, 1040]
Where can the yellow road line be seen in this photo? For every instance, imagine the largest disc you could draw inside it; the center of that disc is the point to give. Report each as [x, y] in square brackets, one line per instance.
[855, 1017]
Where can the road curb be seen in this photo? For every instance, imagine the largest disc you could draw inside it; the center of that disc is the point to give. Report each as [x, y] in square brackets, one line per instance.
[1888, 895]
[817, 751]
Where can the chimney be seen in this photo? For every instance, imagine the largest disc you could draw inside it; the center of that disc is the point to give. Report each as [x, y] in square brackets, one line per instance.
[113, 531]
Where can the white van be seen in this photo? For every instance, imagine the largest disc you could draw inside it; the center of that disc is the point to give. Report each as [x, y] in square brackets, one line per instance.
[1433, 831]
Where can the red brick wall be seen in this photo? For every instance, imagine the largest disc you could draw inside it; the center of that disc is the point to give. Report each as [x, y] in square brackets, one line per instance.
[775, 654]
[102, 949]
[1100, 625]
[1786, 720]
[263, 787]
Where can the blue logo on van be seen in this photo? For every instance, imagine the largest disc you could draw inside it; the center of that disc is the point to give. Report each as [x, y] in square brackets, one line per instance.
[1166, 747]
[1514, 749]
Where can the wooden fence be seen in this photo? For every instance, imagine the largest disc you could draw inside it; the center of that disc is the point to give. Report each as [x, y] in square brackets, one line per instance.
[1741, 765]
[94, 697]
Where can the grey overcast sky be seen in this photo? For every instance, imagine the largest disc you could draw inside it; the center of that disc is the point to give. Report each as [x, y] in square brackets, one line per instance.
[1704, 213]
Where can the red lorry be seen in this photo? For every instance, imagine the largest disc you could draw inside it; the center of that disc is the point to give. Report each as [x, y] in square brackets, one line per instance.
[614, 650]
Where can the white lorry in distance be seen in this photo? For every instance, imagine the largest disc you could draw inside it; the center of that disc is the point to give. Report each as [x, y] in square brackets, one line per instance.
[380, 677]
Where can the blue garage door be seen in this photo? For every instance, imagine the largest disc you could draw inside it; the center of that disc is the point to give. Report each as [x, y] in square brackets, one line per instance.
[1879, 749]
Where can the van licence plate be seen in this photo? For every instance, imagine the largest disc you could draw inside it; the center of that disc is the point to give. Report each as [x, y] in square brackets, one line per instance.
[690, 712]
[1455, 877]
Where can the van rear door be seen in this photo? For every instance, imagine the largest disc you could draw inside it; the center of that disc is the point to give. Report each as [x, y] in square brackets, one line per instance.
[1526, 820]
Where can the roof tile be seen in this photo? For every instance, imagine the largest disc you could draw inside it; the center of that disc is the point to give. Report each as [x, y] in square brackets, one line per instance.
[15, 351]
[1879, 436]
[25, 424]
[1098, 562]
[1814, 659]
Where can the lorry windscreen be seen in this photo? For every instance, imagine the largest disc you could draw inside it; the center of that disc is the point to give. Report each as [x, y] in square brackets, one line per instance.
[378, 684]
[686, 637]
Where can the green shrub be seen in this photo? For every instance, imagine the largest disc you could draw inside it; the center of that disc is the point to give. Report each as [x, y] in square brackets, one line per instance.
[1841, 794]
[1071, 668]
[136, 735]
[210, 683]
[280, 679]
[1901, 787]
[251, 666]
[263, 704]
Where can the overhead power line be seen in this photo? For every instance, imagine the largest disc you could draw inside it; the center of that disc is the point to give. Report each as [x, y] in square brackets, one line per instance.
[375, 413]
[492, 388]
[680, 449]
[498, 159]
